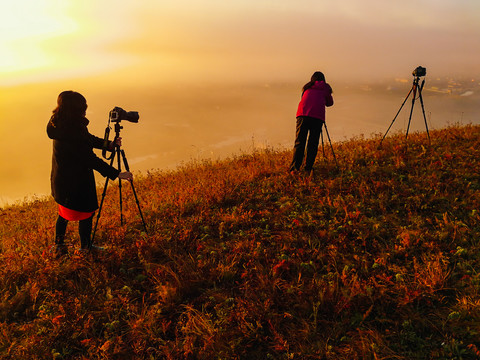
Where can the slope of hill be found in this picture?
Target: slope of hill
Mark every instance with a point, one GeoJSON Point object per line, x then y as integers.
{"type": "Point", "coordinates": [377, 259]}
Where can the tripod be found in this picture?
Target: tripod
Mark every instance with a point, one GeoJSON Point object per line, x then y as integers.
{"type": "Point", "coordinates": [330, 141]}
{"type": "Point", "coordinates": [414, 89]}
{"type": "Point", "coordinates": [118, 153]}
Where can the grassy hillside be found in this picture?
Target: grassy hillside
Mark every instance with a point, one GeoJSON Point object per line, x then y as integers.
{"type": "Point", "coordinates": [379, 259]}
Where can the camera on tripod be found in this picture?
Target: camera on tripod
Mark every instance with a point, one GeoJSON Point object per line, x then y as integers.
{"type": "Point", "coordinates": [419, 71]}
{"type": "Point", "coordinates": [416, 88]}
{"type": "Point", "coordinates": [118, 114]}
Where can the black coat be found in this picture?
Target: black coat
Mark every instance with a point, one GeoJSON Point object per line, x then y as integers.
{"type": "Point", "coordinates": [73, 162]}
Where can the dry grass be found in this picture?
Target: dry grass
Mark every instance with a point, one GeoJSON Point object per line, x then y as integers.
{"type": "Point", "coordinates": [376, 260]}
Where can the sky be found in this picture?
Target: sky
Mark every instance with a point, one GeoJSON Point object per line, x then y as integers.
{"type": "Point", "coordinates": [219, 40]}
{"type": "Point", "coordinates": [205, 74]}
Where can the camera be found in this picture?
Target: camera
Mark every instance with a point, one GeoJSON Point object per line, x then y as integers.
{"type": "Point", "coordinates": [118, 114]}
{"type": "Point", "coordinates": [419, 71]}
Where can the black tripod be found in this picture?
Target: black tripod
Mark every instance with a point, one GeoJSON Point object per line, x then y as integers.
{"type": "Point", "coordinates": [414, 89]}
{"type": "Point", "coordinates": [330, 141]}
{"type": "Point", "coordinates": [118, 153]}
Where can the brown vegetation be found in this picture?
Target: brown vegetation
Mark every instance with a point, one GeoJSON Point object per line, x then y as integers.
{"type": "Point", "coordinates": [377, 259]}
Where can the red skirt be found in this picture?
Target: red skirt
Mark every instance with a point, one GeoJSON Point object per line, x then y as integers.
{"type": "Point", "coordinates": [73, 215]}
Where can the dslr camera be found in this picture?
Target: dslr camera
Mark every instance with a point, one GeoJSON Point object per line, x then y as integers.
{"type": "Point", "coordinates": [419, 71]}
{"type": "Point", "coordinates": [118, 114]}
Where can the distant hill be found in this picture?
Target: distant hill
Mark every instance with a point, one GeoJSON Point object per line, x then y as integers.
{"type": "Point", "coordinates": [376, 259]}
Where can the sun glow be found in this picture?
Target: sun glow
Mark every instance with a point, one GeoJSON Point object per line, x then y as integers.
{"type": "Point", "coordinates": [25, 27]}
{"type": "Point", "coordinates": [45, 40]}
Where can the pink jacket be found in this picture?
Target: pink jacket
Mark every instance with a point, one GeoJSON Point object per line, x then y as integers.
{"type": "Point", "coordinates": [314, 101]}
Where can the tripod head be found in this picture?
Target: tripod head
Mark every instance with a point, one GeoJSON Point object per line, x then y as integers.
{"type": "Point", "coordinates": [415, 83]}
{"type": "Point", "coordinates": [117, 127]}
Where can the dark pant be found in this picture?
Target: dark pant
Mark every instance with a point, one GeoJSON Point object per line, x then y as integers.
{"type": "Point", "coordinates": [311, 127]}
{"type": "Point", "coordinates": [84, 229]}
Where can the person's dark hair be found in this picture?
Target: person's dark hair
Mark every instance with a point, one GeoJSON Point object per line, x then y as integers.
{"type": "Point", "coordinates": [70, 105]}
{"type": "Point", "coordinates": [317, 76]}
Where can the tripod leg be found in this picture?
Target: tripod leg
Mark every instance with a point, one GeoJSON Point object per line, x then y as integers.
{"type": "Point", "coordinates": [125, 162]}
{"type": "Point", "coordinates": [323, 146]}
{"type": "Point", "coordinates": [398, 112]}
{"type": "Point", "coordinates": [413, 104]}
{"type": "Point", "coordinates": [101, 204]}
{"type": "Point", "coordinates": [120, 184]}
{"type": "Point", "coordinates": [331, 146]}
{"type": "Point", "coordinates": [423, 111]}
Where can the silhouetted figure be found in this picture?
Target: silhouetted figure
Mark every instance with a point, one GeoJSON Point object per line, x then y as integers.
{"type": "Point", "coordinates": [316, 95]}
{"type": "Point", "coordinates": [73, 162]}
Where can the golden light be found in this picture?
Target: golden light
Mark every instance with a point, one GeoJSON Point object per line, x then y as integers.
{"type": "Point", "coordinates": [25, 25]}
{"type": "Point", "coordinates": [45, 40]}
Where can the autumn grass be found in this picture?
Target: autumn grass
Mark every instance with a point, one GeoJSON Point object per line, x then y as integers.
{"type": "Point", "coordinates": [377, 259]}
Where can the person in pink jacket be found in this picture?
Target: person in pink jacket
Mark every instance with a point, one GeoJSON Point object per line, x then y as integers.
{"type": "Point", "coordinates": [316, 95]}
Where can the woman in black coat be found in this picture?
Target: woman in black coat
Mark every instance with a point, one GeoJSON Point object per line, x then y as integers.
{"type": "Point", "coordinates": [73, 162]}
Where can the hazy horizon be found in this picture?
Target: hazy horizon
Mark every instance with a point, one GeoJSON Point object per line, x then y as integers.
{"type": "Point", "coordinates": [211, 122]}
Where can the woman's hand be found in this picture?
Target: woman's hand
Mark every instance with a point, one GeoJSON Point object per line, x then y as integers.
{"type": "Point", "coordinates": [115, 143]}
{"type": "Point", "coordinates": [126, 175]}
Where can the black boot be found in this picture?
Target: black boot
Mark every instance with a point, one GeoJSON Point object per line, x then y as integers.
{"type": "Point", "coordinates": [85, 230]}
{"type": "Point", "coordinates": [60, 229]}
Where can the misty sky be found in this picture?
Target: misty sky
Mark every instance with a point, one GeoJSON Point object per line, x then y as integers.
{"type": "Point", "coordinates": [218, 40]}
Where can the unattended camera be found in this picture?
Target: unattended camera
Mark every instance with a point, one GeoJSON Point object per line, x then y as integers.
{"type": "Point", "coordinates": [419, 71]}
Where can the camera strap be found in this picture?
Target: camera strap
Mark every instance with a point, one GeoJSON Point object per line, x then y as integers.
{"type": "Point", "coordinates": [106, 142]}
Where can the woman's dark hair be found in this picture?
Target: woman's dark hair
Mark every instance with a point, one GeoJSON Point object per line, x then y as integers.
{"type": "Point", "coordinates": [317, 76]}
{"type": "Point", "coordinates": [70, 105]}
